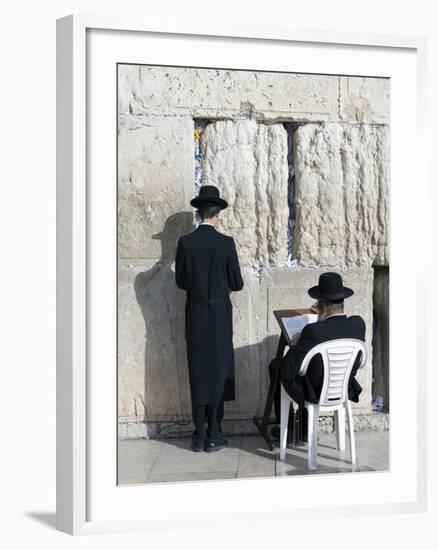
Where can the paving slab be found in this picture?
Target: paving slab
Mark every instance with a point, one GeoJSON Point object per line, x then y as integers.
{"type": "Point", "coordinates": [372, 450]}
{"type": "Point", "coordinates": [190, 476]}
{"type": "Point", "coordinates": [255, 460]}
{"type": "Point", "coordinates": [172, 460]}
{"type": "Point", "coordinates": [136, 458]}
{"type": "Point", "coordinates": [178, 458]}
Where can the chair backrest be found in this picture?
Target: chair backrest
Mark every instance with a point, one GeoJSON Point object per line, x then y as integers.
{"type": "Point", "coordinates": [338, 357]}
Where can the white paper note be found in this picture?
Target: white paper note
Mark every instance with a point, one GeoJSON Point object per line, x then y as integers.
{"type": "Point", "coordinates": [293, 325]}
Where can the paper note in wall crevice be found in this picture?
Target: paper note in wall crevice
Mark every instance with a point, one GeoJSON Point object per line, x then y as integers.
{"type": "Point", "coordinates": [294, 325]}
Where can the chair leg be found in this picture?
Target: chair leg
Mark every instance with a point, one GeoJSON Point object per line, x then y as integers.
{"type": "Point", "coordinates": [351, 431]}
{"type": "Point", "coordinates": [340, 429]}
{"type": "Point", "coordinates": [312, 435]}
{"type": "Point", "coordinates": [284, 419]}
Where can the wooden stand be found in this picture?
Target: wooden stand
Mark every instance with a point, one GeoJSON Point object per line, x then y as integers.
{"type": "Point", "coordinates": [263, 423]}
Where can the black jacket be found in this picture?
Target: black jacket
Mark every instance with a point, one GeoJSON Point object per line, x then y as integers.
{"type": "Point", "coordinates": [308, 387]}
{"type": "Point", "coordinates": [207, 267]}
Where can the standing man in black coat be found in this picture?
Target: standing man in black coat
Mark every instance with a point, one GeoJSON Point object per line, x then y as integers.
{"type": "Point", "coordinates": [207, 267]}
{"type": "Point", "coordinates": [332, 323]}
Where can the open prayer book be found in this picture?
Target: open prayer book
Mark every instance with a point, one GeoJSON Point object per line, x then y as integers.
{"type": "Point", "coordinates": [294, 325]}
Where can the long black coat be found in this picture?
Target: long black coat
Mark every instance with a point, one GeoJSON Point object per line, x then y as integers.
{"type": "Point", "coordinates": [308, 387]}
{"type": "Point", "coordinates": [207, 267]}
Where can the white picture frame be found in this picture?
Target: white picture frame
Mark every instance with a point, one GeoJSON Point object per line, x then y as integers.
{"type": "Point", "coordinates": [86, 501]}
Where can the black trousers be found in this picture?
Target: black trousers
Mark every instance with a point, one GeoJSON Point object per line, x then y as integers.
{"type": "Point", "coordinates": [297, 419]}
{"type": "Point", "coordinates": [207, 419]}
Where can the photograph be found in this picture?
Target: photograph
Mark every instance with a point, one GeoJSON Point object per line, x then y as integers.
{"type": "Point", "coordinates": [218, 275]}
{"type": "Point", "coordinates": [252, 273]}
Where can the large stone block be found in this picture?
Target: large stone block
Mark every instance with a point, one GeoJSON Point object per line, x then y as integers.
{"type": "Point", "coordinates": [286, 288]}
{"type": "Point", "coordinates": [247, 161]}
{"type": "Point", "coordinates": [155, 184]}
{"type": "Point", "coordinates": [152, 364]}
{"type": "Point", "coordinates": [214, 93]}
{"type": "Point", "coordinates": [341, 195]}
{"type": "Point", "coordinates": [364, 99]}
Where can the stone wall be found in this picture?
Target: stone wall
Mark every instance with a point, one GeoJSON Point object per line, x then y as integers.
{"type": "Point", "coordinates": [340, 188]}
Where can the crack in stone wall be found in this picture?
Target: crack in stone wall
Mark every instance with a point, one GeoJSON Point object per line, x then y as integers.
{"type": "Point", "coordinates": [291, 127]}
{"type": "Point", "coordinates": [381, 336]}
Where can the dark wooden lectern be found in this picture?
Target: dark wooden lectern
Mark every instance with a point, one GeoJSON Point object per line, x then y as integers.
{"type": "Point", "coordinates": [263, 423]}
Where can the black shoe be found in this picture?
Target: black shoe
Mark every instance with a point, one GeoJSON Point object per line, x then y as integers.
{"type": "Point", "coordinates": [222, 438]}
{"type": "Point", "coordinates": [213, 446]}
{"type": "Point", "coordinates": [197, 446]}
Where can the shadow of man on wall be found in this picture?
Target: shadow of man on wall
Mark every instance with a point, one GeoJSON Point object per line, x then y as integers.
{"type": "Point", "coordinates": [162, 305]}
{"type": "Point", "coordinates": [252, 383]}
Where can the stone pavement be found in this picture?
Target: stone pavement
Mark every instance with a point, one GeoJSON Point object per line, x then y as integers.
{"type": "Point", "coordinates": [152, 461]}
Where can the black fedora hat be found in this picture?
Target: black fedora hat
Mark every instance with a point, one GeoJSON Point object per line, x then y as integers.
{"type": "Point", "coordinates": [330, 287]}
{"type": "Point", "coordinates": [208, 196]}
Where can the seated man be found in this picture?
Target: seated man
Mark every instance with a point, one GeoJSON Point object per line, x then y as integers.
{"type": "Point", "coordinates": [332, 324]}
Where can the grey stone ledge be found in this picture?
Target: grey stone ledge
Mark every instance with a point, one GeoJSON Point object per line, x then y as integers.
{"type": "Point", "coordinates": [376, 422]}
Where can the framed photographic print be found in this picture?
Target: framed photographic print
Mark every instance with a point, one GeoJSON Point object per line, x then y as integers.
{"type": "Point", "coordinates": [227, 201]}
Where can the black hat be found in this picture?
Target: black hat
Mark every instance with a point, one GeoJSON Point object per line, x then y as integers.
{"type": "Point", "coordinates": [330, 287]}
{"type": "Point", "coordinates": [208, 196]}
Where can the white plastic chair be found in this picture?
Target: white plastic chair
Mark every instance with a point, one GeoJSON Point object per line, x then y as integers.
{"type": "Point", "coordinates": [338, 357]}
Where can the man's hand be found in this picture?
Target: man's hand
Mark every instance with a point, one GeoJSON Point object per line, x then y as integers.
{"type": "Point", "coordinates": [314, 307]}
{"type": "Point", "coordinates": [295, 338]}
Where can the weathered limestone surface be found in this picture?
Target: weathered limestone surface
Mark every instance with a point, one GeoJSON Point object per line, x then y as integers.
{"type": "Point", "coordinates": [156, 167]}
{"type": "Point", "coordinates": [365, 99]}
{"type": "Point", "coordinates": [341, 192]}
{"type": "Point", "coordinates": [220, 93]}
{"type": "Point", "coordinates": [287, 289]}
{"type": "Point", "coordinates": [381, 340]}
{"type": "Point", "coordinates": [153, 382]}
{"type": "Point", "coordinates": [247, 161]}
{"type": "Point", "coordinates": [153, 372]}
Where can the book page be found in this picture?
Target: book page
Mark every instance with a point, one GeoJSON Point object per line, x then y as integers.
{"type": "Point", "coordinates": [293, 325]}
